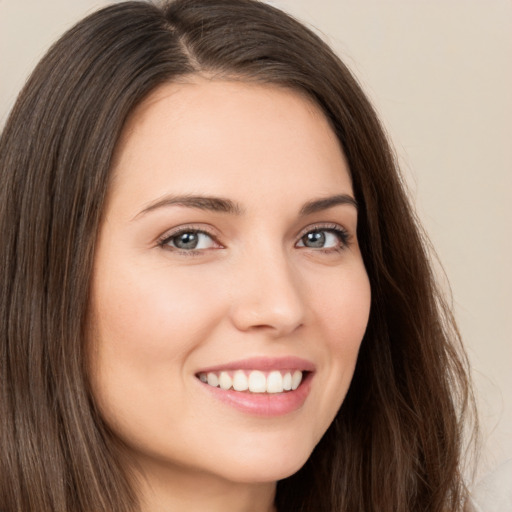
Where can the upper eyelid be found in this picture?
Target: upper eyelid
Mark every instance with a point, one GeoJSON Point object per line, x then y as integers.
{"type": "Point", "coordinates": [326, 226]}
{"type": "Point", "coordinates": [186, 228]}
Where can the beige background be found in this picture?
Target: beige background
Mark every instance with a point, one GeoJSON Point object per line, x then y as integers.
{"type": "Point", "coordinates": [440, 74]}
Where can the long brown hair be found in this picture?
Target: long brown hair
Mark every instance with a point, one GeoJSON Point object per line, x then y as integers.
{"type": "Point", "coordinates": [395, 444]}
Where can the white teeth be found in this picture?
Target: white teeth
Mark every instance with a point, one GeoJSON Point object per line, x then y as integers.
{"type": "Point", "coordinates": [255, 381]}
{"type": "Point", "coordinates": [275, 382]}
{"type": "Point", "coordinates": [225, 381]}
{"type": "Point", "coordinates": [213, 380]}
{"type": "Point", "coordinates": [240, 381]}
{"type": "Point", "coordinates": [287, 381]}
{"type": "Point", "coordinates": [296, 379]}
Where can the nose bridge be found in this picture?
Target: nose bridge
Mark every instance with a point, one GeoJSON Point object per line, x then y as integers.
{"type": "Point", "coordinates": [268, 291]}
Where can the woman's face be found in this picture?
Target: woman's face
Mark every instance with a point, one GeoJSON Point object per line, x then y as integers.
{"type": "Point", "coordinates": [227, 257]}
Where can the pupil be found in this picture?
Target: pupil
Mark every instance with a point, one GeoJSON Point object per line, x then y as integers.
{"type": "Point", "coordinates": [187, 241]}
{"type": "Point", "coordinates": [315, 239]}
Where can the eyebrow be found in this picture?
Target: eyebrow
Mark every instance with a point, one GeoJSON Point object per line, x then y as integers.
{"type": "Point", "coordinates": [213, 204]}
{"type": "Point", "coordinates": [325, 203]}
{"type": "Point", "coordinates": [221, 205]}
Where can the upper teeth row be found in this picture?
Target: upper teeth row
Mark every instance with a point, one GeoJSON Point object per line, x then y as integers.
{"type": "Point", "coordinates": [255, 381]}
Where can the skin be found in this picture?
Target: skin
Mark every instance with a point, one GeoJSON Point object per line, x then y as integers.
{"type": "Point", "coordinates": [253, 288]}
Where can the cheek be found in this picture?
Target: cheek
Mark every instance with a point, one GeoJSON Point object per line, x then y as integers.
{"type": "Point", "coordinates": [342, 307]}
{"type": "Point", "coordinates": [144, 325]}
{"type": "Point", "coordinates": [342, 312]}
{"type": "Point", "coordinates": [155, 313]}
{"type": "Point", "coordinates": [145, 322]}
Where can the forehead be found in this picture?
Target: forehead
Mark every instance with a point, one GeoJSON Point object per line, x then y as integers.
{"type": "Point", "coordinates": [200, 90]}
{"type": "Point", "coordinates": [203, 135]}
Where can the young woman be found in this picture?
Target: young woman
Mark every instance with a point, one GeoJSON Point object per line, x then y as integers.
{"type": "Point", "coordinates": [214, 292]}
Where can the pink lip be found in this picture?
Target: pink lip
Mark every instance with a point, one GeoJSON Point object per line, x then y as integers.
{"type": "Point", "coordinates": [264, 364]}
{"type": "Point", "coordinates": [264, 404]}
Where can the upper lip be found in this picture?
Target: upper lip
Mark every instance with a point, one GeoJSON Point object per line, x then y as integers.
{"type": "Point", "coordinates": [264, 364]}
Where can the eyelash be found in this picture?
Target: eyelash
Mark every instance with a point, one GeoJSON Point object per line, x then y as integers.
{"type": "Point", "coordinates": [164, 241]}
{"type": "Point", "coordinates": [342, 234]}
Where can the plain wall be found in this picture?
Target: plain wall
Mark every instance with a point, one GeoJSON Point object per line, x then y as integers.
{"type": "Point", "coordinates": [440, 74]}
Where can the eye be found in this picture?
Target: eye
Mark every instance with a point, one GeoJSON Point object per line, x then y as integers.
{"type": "Point", "coordinates": [324, 238]}
{"type": "Point", "coordinates": [189, 240]}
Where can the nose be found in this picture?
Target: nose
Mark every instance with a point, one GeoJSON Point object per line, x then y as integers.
{"type": "Point", "coordinates": [267, 295]}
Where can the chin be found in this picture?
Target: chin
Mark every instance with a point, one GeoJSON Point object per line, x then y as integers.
{"type": "Point", "coordinates": [266, 466]}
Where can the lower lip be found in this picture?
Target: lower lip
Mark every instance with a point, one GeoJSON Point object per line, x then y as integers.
{"type": "Point", "coordinates": [264, 404]}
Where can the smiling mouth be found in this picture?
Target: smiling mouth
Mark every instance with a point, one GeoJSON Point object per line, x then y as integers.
{"type": "Point", "coordinates": [254, 381]}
